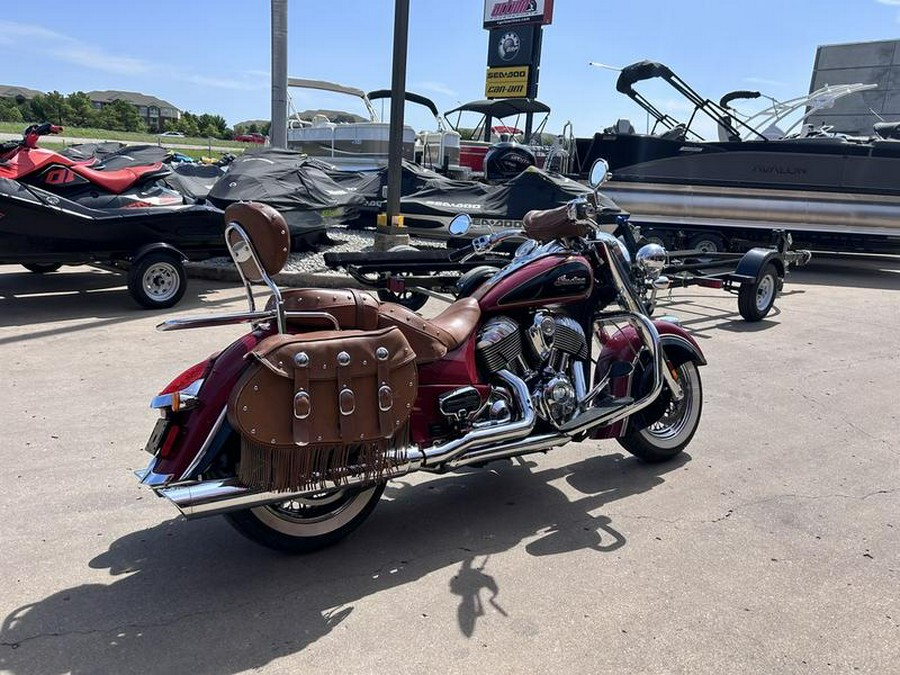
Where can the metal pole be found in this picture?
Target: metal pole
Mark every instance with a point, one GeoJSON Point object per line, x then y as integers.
{"type": "Point", "coordinates": [278, 127]}
{"type": "Point", "coordinates": [398, 88]}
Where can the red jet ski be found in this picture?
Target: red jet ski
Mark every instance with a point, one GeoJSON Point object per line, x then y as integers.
{"type": "Point", "coordinates": [87, 181]}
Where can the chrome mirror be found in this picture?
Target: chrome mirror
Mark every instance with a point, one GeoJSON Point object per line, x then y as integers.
{"type": "Point", "coordinates": [599, 173]}
{"type": "Point", "coordinates": [460, 224]}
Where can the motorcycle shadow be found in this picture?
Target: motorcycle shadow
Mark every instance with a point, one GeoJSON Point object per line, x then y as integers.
{"type": "Point", "coordinates": [197, 593]}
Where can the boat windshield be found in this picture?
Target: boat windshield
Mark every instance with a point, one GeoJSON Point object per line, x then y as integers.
{"type": "Point", "coordinates": [500, 119]}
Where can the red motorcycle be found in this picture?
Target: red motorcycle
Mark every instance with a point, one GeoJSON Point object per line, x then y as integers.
{"type": "Point", "coordinates": [84, 181]}
{"type": "Point", "coordinates": [293, 430]}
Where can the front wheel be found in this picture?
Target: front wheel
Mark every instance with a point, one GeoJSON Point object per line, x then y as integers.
{"type": "Point", "coordinates": [307, 524]}
{"type": "Point", "coordinates": [157, 280]}
{"type": "Point", "coordinates": [668, 435]}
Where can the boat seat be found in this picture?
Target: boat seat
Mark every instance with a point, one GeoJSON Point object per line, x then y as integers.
{"type": "Point", "coordinates": [321, 121]}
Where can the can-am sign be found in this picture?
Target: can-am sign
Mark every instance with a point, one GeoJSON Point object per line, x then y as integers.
{"type": "Point", "coordinates": [503, 12]}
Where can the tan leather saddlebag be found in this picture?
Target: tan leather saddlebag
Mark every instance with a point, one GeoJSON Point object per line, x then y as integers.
{"type": "Point", "coordinates": [318, 407]}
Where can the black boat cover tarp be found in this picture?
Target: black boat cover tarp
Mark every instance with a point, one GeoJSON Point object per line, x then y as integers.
{"type": "Point", "coordinates": [114, 155]}
{"type": "Point", "coordinates": [493, 206]}
{"type": "Point", "coordinates": [283, 179]}
{"type": "Point", "coordinates": [299, 188]}
{"type": "Point", "coordinates": [194, 180]}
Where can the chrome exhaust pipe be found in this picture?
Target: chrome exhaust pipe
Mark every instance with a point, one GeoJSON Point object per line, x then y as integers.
{"type": "Point", "coordinates": [436, 457]}
{"type": "Point", "coordinates": [214, 497]}
{"type": "Point", "coordinates": [218, 496]}
{"type": "Point", "coordinates": [522, 446]}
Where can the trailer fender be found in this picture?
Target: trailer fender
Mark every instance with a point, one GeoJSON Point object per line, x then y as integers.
{"type": "Point", "coordinates": [158, 246]}
{"type": "Point", "coordinates": [754, 261]}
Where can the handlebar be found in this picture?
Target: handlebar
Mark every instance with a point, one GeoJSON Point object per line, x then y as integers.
{"type": "Point", "coordinates": [35, 131]}
{"type": "Point", "coordinates": [483, 244]}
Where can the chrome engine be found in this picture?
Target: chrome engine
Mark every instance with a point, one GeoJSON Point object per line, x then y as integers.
{"type": "Point", "coordinates": [551, 360]}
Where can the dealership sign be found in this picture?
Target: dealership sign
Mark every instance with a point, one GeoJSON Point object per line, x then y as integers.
{"type": "Point", "coordinates": [506, 82]}
{"type": "Point", "coordinates": [502, 12]}
{"type": "Point", "coordinates": [513, 45]}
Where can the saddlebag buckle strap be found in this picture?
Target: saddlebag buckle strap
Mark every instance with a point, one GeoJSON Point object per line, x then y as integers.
{"type": "Point", "coordinates": [385, 393]}
{"type": "Point", "coordinates": [302, 398]}
{"type": "Point", "coordinates": [346, 396]}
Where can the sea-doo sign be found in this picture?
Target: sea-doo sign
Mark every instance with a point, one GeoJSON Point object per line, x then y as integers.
{"type": "Point", "coordinates": [506, 82]}
{"type": "Point", "coordinates": [504, 12]}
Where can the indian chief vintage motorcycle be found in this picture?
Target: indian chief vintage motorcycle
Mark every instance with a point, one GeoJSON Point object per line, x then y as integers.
{"type": "Point", "coordinates": [292, 431]}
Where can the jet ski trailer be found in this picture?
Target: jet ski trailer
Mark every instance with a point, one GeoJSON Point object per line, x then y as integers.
{"type": "Point", "coordinates": [43, 231]}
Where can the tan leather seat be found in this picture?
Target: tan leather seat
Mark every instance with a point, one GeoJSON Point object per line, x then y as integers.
{"type": "Point", "coordinates": [431, 339]}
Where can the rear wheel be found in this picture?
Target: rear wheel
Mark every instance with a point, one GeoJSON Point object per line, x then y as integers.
{"type": "Point", "coordinates": [157, 280]}
{"type": "Point", "coordinates": [39, 268]}
{"type": "Point", "coordinates": [671, 431]}
{"type": "Point", "coordinates": [755, 299]}
{"type": "Point", "coordinates": [307, 524]}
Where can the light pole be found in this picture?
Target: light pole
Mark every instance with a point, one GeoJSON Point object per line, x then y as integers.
{"type": "Point", "coordinates": [388, 236]}
{"type": "Point", "coordinates": [278, 126]}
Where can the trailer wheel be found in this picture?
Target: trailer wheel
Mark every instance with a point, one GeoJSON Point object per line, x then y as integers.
{"type": "Point", "coordinates": [708, 243]}
{"type": "Point", "coordinates": [157, 280]}
{"type": "Point", "coordinates": [755, 298]}
{"type": "Point", "coordinates": [410, 299]}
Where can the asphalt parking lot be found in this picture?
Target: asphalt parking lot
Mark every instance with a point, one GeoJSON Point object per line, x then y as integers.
{"type": "Point", "coordinates": [771, 546]}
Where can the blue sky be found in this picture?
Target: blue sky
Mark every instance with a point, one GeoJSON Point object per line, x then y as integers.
{"type": "Point", "coordinates": [213, 56]}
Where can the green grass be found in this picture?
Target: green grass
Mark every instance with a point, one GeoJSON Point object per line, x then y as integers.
{"type": "Point", "coordinates": [107, 135]}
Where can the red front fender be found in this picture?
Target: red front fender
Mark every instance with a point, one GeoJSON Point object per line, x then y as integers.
{"type": "Point", "coordinates": [625, 345]}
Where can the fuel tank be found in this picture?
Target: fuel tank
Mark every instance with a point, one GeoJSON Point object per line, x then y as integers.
{"type": "Point", "coordinates": [558, 278]}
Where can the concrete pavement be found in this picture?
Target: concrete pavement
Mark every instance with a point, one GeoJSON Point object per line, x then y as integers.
{"type": "Point", "coordinates": [771, 546]}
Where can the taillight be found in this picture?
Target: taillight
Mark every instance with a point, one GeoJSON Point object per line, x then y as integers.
{"type": "Point", "coordinates": [165, 448]}
{"type": "Point", "coordinates": [196, 372]}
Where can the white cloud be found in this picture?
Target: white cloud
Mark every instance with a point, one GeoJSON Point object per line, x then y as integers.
{"type": "Point", "coordinates": [437, 88]}
{"type": "Point", "coordinates": [894, 3]}
{"type": "Point", "coordinates": [68, 49]}
{"type": "Point", "coordinates": [32, 37]}
{"type": "Point", "coordinates": [767, 82]}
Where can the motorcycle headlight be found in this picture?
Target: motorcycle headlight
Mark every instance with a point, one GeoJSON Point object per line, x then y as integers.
{"type": "Point", "coordinates": [652, 258]}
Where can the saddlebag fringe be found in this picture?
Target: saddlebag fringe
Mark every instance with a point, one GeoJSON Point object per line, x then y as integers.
{"type": "Point", "coordinates": [315, 408]}
{"type": "Point", "coordinates": [274, 468]}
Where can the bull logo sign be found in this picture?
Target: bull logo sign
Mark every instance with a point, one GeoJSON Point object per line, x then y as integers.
{"type": "Point", "coordinates": [508, 12]}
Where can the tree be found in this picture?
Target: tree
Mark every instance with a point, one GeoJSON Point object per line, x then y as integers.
{"type": "Point", "coordinates": [10, 112]}
{"type": "Point", "coordinates": [51, 107]}
{"type": "Point", "coordinates": [120, 116]}
{"type": "Point", "coordinates": [82, 111]}
{"type": "Point", "coordinates": [188, 124]}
